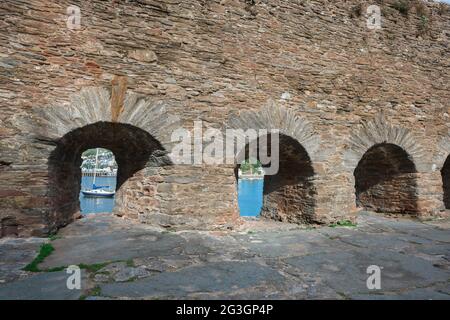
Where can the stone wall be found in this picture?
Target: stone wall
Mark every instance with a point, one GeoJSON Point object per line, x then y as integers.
{"type": "Point", "coordinates": [181, 197]}
{"type": "Point", "coordinates": [309, 68]}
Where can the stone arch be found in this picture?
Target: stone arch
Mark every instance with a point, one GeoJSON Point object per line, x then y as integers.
{"type": "Point", "coordinates": [385, 160]}
{"type": "Point", "coordinates": [290, 194]}
{"type": "Point", "coordinates": [92, 105]}
{"type": "Point", "coordinates": [385, 180]}
{"type": "Point", "coordinates": [273, 116]}
{"type": "Point", "coordinates": [442, 153]}
{"type": "Point", "coordinates": [134, 150]}
{"type": "Point", "coordinates": [378, 131]}
{"type": "Point", "coordinates": [441, 162]}
{"type": "Point", "coordinates": [138, 134]}
{"type": "Point", "coordinates": [445, 172]}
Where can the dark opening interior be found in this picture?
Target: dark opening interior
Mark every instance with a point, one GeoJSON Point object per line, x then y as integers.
{"type": "Point", "coordinates": [385, 180]}
{"type": "Point", "coordinates": [9, 228]}
{"type": "Point", "coordinates": [446, 182]}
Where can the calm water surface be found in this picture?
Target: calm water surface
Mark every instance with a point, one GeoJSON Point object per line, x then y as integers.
{"type": "Point", "coordinates": [91, 205]}
{"type": "Point", "coordinates": [250, 197]}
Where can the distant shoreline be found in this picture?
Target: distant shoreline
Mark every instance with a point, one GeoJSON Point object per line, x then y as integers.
{"type": "Point", "coordinates": [251, 177]}
{"type": "Point", "coordinates": [98, 174]}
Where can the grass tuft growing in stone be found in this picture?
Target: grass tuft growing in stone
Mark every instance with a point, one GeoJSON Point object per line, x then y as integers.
{"type": "Point", "coordinates": [94, 292]}
{"type": "Point", "coordinates": [130, 263]}
{"type": "Point", "coordinates": [402, 6]}
{"type": "Point", "coordinates": [53, 237]}
{"type": "Point", "coordinates": [93, 267]}
{"type": "Point", "coordinates": [45, 250]}
{"type": "Point", "coordinates": [423, 27]}
{"type": "Point", "coordinates": [343, 223]}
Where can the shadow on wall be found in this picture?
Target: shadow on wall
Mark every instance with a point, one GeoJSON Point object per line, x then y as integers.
{"type": "Point", "coordinates": [9, 228]}
{"type": "Point", "coordinates": [289, 195]}
{"type": "Point", "coordinates": [133, 148]}
{"type": "Point", "coordinates": [446, 182]}
{"type": "Point", "coordinates": [385, 180]}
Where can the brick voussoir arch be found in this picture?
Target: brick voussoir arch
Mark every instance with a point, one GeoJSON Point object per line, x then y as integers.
{"type": "Point", "coordinates": [442, 153]}
{"type": "Point", "coordinates": [92, 105]}
{"type": "Point", "coordinates": [377, 131]}
{"type": "Point", "coordinates": [273, 116]}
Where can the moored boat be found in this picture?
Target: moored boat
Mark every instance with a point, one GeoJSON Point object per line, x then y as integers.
{"type": "Point", "coordinates": [98, 191]}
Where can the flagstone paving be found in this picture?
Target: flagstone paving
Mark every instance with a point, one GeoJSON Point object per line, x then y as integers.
{"type": "Point", "coordinates": [261, 260]}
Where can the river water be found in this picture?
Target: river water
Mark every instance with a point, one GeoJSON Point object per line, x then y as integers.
{"type": "Point", "coordinates": [250, 196]}
{"type": "Point", "coordinates": [91, 205]}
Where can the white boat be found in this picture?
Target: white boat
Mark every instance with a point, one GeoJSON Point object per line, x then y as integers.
{"type": "Point", "coordinates": [98, 191]}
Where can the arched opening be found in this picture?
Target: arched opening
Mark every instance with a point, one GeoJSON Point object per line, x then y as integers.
{"type": "Point", "coordinates": [133, 148]}
{"type": "Point", "coordinates": [446, 182]}
{"type": "Point", "coordinates": [98, 181]}
{"type": "Point", "coordinates": [288, 195]}
{"type": "Point", "coordinates": [385, 180]}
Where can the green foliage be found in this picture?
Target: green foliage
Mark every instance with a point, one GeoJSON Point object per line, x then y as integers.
{"type": "Point", "coordinates": [130, 263]}
{"type": "Point", "coordinates": [402, 6]}
{"type": "Point", "coordinates": [423, 26]}
{"type": "Point", "coordinates": [94, 292]}
{"type": "Point", "coordinates": [251, 166]}
{"type": "Point", "coordinates": [93, 267]}
{"type": "Point", "coordinates": [53, 237]}
{"type": "Point", "coordinates": [45, 250]}
{"type": "Point", "coordinates": [93, 152]}
{"type": "Point", "coordinates": [89, 158]}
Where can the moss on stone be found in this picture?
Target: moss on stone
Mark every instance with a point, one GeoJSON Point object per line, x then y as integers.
{"type": "Point", "coordinates": [45, 250]}
{"type": "Point", "coordinates": [93, 267]}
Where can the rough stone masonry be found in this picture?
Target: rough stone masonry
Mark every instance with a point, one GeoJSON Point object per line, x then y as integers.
{"type": "Point", "coordinates": [363, 114]}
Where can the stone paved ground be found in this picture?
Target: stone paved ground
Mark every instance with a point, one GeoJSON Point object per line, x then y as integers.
{"type": "Point", "coordinates": [261, 260]}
